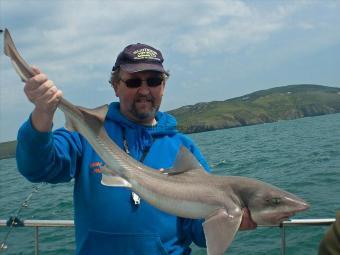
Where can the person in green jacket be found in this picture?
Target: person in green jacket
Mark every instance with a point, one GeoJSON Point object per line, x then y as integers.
{"type": "Point", "coordinates": [330, 244]}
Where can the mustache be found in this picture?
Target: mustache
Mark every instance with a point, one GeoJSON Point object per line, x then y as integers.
{"type": "Point", "coordinates": [149, 98]}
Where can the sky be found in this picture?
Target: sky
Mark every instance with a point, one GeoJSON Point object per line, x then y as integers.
{"type": "Point", "coordinates": [214, 50]}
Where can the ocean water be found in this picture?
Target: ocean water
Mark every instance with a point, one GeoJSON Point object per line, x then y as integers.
{"type": "Point", "coordinates": [301, 156]}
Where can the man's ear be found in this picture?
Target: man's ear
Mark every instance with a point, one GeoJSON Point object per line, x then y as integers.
{"type": "Point", "coordinates": [163, 88]}
{"type": "Point", "coordinates": [115, 87]}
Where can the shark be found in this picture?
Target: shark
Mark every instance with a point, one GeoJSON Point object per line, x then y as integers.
{"type": "Point", "coordinates": [185, 190]}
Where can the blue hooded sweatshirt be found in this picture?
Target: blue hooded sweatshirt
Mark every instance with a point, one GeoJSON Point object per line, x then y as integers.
{"type": "Point", "coordinates": [106, 218]}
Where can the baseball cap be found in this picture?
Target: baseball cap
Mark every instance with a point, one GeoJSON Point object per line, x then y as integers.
{"type": "Point", "coordinates": [139, 57]}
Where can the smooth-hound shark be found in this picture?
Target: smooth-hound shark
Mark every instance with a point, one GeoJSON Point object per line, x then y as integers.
{"type": "Point", "coordinates": [186, 190]}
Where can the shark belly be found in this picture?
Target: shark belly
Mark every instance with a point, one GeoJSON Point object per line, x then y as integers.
{"type": "Point", "coordinates": [173, 204]}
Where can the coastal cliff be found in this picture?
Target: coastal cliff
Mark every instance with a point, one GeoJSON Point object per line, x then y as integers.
{"type": "Point", "coordinates": [7, 149]}
{"type": "Point", "coordinates": [265, 106]}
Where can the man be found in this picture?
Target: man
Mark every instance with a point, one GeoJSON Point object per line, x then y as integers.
{"type": "Point", "coordinates": [113, 220]}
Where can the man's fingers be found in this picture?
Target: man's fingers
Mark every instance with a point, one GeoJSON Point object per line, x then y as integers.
{"type": "Point", "coordinates": [42, 92]}
{"type": "Point", "coordinates": [47, 95]}
{"type": "Point", "coordinates": [33, 93]}
{"type": "Point", "coordinates": [42, 89]}
{"type": "Point", "coordinates": [36, 70]}
{"type": "Point", "coordinates": [55, 99]}
{"type": "Point", "coordinates": [49, 101]}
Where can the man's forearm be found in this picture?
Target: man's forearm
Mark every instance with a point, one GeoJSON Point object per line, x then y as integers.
{"type": "Point", "coordinates": [41, 121]}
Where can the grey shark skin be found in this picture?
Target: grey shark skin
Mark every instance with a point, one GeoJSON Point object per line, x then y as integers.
{"type": "Point", "coordinates": [186, 190]}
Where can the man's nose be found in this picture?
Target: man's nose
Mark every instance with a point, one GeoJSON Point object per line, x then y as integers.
{"type": "Point", "coordinates": [144, 88]}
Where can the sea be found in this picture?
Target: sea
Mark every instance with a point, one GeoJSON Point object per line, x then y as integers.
{"type": "Point", "coordinates": [301, 156]}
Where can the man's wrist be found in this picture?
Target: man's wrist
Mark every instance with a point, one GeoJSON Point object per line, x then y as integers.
{"type": "Point", "coordinates": [42, 120]}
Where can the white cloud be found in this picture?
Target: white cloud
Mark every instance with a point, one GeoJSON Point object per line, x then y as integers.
{"type": "Point", "coordinates": [232, 26]}
{"type": "Point", "coordinates": [86, 34]}
{"type": "Point", "coordinates": [76, 44]}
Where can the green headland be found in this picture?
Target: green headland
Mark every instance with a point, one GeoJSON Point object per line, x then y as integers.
{"type": "Point", "coordinates": [265, 106]}
{"type": "Point", "coordinates": [7, 149]}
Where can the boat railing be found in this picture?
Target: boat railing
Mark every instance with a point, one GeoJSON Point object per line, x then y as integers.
{"type": "Point", "coordinates": [70, 223]}
{"type": "Point", "coordinates": [300, 223]}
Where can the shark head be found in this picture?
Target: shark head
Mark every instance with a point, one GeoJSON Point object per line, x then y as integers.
{"type": "Point", "coordinates": [270, 206]}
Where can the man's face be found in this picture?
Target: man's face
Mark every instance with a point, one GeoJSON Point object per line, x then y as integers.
{"type": "Point", "coordinates": [139, 104]}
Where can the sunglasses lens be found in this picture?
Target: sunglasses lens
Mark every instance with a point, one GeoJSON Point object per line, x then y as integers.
{"type": "Point", "coordinates": [154, 81]}
{"type": "Point", "coordinates": [136, 83]}
{"type": "Point", "coordinates": [133, 83]}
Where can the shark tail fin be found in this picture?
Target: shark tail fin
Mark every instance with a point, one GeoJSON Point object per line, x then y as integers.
{"type": "Point", "coordinates": [21, 67]}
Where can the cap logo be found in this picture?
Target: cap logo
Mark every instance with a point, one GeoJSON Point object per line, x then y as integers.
{"type": "Point", "coordinates": [145, 53]}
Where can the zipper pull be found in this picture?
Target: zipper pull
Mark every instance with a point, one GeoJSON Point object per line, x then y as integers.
{"type": "Point", "coordinates": [135, 198]}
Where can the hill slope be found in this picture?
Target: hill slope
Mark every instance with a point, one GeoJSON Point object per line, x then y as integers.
{"type": "Point", "coordinates": [7, 149]}
{"type": "Point", "coordinates": [281, 103]}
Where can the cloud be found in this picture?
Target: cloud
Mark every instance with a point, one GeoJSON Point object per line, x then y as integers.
{"type": "Point", "coordinates": [235, 26]}
{"type": "Point", "coordinates": [92, 34]}
{"type": "Point", "coordinates": [76, 44]}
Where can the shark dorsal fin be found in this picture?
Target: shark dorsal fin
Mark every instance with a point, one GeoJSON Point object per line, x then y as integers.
{"type": "Point", "coordinates": [99, 112]}
{"type": "Point", "coordinates": [185, 161]}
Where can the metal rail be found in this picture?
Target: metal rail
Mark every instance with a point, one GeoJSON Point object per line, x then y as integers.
{"type": "Point", "coordinates": [70, 223]}
{"type": "Point", "coordinates": [36, 224]}
{"type": "Point", "coordinates": [299, 223]}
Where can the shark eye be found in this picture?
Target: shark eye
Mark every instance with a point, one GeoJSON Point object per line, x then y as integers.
{"type": "Point", "coordinates": [276, 200]}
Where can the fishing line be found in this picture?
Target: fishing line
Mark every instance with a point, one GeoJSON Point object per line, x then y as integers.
{"type": "Point", "coordinates": [14, 221]}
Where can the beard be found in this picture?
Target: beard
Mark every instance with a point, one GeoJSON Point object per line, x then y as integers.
{"type": "Point", "coordinates": [147, 112]}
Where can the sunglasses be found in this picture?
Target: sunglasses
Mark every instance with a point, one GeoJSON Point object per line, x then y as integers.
{"type": "Point", "coordinates": [137, 82]}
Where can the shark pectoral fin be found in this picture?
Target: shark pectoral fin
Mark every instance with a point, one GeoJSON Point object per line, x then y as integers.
{"type": "Point", "coordinates": [114, 181]}
{"type": "Point", "coordinates": [108, 179]}
{"type": "Point", "coordinates": [220, 229]}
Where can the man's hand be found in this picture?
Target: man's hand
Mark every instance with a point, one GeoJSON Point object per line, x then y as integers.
{"type": "Point", "coordinates": [247, 223]}
{"type": "Point", "coordinates": [45, 96]}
